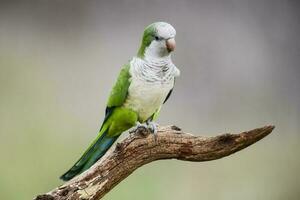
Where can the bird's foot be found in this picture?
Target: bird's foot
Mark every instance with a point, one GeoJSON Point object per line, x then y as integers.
{"type": "Point", "coordinates": [141, 129]}
{"type": "Point", "coordinates": [152, 126]}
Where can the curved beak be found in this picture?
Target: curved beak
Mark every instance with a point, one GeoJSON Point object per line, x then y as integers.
{"type": "Point", "coordinates": [170, 43]}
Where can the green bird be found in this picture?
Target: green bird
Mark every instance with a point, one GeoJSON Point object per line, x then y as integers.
{"type": "Point", "coordinates": [143, 86]}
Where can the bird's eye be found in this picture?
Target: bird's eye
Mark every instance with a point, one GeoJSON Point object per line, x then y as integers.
{"type": "Point", "coordinates": [156, 38]}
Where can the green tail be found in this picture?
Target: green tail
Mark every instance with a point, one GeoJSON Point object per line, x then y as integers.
{"type": "Point", "coordinates": [97, 149]}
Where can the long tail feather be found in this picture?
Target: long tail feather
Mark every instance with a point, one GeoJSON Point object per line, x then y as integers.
{"type": "Point", "coordinates": [97, 149]}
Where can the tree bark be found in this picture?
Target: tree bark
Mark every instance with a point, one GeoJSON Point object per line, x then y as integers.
{"type": "Point", "coordinates": [140, 148]}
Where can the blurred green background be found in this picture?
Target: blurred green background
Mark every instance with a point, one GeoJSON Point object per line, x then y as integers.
{"type": "Point", "coordinates": [239, 63]}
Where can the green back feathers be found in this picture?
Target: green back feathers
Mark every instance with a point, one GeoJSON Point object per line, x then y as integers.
{"type": "Point", "coordinates": [148, 36]}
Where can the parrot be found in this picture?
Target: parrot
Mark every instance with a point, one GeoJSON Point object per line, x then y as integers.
{"type": "Point", "coordinates": [144, 84]}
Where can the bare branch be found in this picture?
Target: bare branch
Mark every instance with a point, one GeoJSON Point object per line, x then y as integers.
{"type": "Point", "coordinates": [141, 148]}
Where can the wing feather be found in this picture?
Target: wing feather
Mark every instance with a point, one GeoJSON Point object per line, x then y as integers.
{"type": "Point", "coordinates": [119, 92]}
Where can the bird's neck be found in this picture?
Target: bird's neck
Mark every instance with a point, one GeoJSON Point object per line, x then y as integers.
{"type": "Point", "coordinates": [153, 70]}
{"type": "Point", "coordinates": [157, 62]}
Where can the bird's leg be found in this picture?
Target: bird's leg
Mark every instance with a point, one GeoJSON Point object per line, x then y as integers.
{"type": "Point", "coordinates": [141, 129]}
{"type": "Point", "coordinates": [145, 128]}
{"type": "Point", "coordinates": [152, 126]}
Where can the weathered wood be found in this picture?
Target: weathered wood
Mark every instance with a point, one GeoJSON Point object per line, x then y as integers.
{"type": "Point", "coordinates": [141, 148]}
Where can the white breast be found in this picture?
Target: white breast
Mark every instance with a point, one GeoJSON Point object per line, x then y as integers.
{"type": "Point", "coordinates": [146, 97]}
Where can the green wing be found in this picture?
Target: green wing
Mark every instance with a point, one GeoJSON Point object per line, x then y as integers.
{"type": "Point", "coordinates": [103, 142]}
{"type": "Point", "coordinates": [119, 92]}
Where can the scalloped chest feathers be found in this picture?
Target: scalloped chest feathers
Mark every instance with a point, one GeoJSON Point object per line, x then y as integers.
{"type": "Point", "coordinates": [148, 90]}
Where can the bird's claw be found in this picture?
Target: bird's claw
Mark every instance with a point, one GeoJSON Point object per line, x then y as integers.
{"type": "Point", "coordinates": [145, 128]}
{"type": "Point", "coordinates": [141, 129]}
{"type": "Point", "coordinates": [152, 126]}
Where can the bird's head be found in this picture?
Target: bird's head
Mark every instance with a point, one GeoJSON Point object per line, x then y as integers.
{"type": "Point", "coordinates": [158, 41]}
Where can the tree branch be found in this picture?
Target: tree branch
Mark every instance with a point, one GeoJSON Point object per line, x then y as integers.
{"type": "Point", "coordinates": [141, 148]}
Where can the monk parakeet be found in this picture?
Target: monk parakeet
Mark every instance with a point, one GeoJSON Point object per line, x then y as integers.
{"type": "Point", "coordinates": [143, 86]}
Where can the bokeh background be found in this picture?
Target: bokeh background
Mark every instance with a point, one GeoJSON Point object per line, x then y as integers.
{"type": "Point", "coordinates": [239, 63]}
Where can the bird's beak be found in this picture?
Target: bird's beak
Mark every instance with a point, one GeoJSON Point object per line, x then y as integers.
{"type": "Point", "coordinates": [170, 43]}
